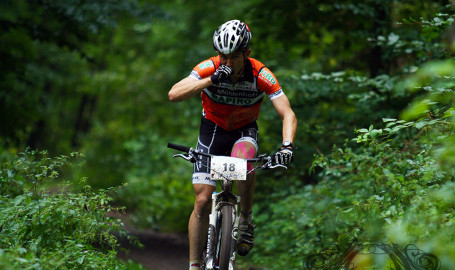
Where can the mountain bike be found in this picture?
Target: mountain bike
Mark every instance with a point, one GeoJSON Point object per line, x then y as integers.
{"type": "Point", "coordinates": [225, 212]}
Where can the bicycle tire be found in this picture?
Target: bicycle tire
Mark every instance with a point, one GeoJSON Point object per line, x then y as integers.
{"type": "Point", "coordinates": [210, 259]}
{"type": "Point", "coordinates": [204, 260]}
{"type": "Point", "coordinates": [226, 237]}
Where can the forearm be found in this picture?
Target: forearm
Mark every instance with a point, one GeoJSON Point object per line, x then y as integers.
{"type": "Point", "coordinates": [289, 126]}
{"type": "Point", "coordinates": [285, 155]}
{"type": "Point", "coordinates": [287, 115]}
{"type": "Point", "coordinates": [187, 88]}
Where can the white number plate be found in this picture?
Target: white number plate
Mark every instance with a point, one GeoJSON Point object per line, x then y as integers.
{"type": "Point", "coordinates": [227, 168]}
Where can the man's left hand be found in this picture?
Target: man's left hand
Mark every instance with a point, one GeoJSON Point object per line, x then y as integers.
{"type": "Point", "coordinates": [284, 156]}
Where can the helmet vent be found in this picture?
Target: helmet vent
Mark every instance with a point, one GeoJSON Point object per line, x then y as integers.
{"type": "Point", "coordinates": [231, 36]}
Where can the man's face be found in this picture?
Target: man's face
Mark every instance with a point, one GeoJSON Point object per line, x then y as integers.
{"type": "Point", "coordinates": [235, 60]}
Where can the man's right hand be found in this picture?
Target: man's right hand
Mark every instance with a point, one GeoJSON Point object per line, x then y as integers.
{"type": "Point", "coordinates": [221, 74]}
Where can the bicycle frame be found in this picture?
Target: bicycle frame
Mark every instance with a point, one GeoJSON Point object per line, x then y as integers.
{"type": "Point", "coordinates": [219, 200]}
{"type": "Point", "coordinates": [224, 216]}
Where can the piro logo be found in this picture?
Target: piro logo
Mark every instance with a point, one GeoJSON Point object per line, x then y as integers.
{"type": "Point", "coordinates": [232, 101]}
{"type": "Point", "coordinates": [239, 101]}
{"type": "Point", "coordinates": [205, 64]}
{"type": "Point", "coordinates": [268, 76]}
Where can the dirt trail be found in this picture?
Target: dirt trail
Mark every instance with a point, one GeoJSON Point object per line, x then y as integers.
{"type": "Point", "coordinates": [161, 251]}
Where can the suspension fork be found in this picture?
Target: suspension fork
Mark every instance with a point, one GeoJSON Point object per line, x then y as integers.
{"type": "Point", "coordinates": [213, 217]}
{"type": "Point", "coordinates": [235, 231]}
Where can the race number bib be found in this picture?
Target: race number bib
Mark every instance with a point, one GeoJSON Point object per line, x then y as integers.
{"type": "Point", "coordinates": [229, 168]}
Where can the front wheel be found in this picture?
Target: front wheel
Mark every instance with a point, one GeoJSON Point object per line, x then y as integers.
{"type": "Point", "coordinates": [226, 237]}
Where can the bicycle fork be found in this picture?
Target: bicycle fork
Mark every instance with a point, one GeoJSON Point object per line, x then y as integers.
{"type": "Point", "coordinates": [214, 228]}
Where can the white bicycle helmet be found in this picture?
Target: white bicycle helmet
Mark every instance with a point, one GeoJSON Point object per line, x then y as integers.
{"type": "Point", "coordinates": [231, 36]}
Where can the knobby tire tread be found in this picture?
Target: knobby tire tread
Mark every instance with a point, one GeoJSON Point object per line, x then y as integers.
{"type": "Point", "coordinates": [226, 236]}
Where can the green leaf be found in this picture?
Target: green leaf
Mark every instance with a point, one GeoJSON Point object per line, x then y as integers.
{"type": "Point", "coordinates": [376, 132]}
{"type": "Point", "coordinates": [388, 119]}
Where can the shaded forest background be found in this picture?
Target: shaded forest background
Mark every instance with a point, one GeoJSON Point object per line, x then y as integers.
{"type": "Point", "coordinates": [83, 86]}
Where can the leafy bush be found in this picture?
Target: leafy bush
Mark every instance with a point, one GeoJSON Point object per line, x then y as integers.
{"type": "Point", "coordinates": [366, 195]}
{"type": "Point", "coordinates": [52, 228]}
{"type": "Point", "coordinates": [389, 183]}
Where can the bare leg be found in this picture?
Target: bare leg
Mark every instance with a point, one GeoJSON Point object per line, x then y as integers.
{"type": "Point", "coordinates": [245, 188]}
{"type": "Point", "coordinates": [199, 220]}
{"type": "Point", "coordinates": [246, 193]}
{"type": "Point", "coordinates": [245, 243]}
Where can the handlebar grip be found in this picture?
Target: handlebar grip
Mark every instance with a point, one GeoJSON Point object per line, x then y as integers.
{"type": "Point", "coordinates": [178, 147]}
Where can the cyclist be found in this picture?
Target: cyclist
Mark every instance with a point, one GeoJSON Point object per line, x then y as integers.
{"type": "Point", "coordinates": [232, 86]}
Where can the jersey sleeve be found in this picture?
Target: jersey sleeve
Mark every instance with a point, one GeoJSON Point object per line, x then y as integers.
{"type": "Point", "coordinates": [204, 69]}
{"type": "Point", "coordinates": [268, 83]}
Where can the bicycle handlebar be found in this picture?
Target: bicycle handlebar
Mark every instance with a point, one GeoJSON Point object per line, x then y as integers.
{"type": "Point", "coordinates": [179, 147]}
{"type": "Point", "coordinates": [193, 153]}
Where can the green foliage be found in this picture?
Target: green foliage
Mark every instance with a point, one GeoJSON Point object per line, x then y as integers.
{"type": "Point", "coordinates": [431, 227]}
{"type": "Point", "coordinates": [159, 186]}
{"type": "Point", "coordinates": [93, 77]}
{"type": "Point", "coordinates": [46, 63]}
{"type": "Point", "coordinates": [31, 169]}
{"type": "Point", "coordinates": [367, 195]}
{"type": "Point", "coordinates": [390, 183]}
{"type": "Point", "coordinates": [52, 228]}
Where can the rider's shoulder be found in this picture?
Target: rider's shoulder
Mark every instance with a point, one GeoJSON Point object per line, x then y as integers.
{"type": "Point", "coordinates": [207, 63]}
{"type": "Point", "coordinates": [260, 69]}
{"type": "Point", "coordinates": [256, 64]}
{"type": "Point", "coordinates": [266, 79]}
{"type": "Point", "coordinates": [207, 67]}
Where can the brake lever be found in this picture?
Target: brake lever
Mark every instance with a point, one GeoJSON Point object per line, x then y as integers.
{"type": "Point", "coordinates": [188, 157]}
{"type": "Point", "coordinates": [277, 166]}
{"type": "Point", "coordinates": [269, 165]}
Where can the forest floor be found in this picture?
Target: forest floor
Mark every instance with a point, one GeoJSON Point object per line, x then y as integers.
{"type": "Point", "coordinates": [160, 251]}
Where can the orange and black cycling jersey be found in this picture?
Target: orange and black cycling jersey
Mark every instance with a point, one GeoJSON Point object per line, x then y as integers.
{"type": "Point", "coordinates": [234, 105]}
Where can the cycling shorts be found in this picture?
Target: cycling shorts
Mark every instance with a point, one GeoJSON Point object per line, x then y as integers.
{"type": "Point", "coordinates": [217, 141]}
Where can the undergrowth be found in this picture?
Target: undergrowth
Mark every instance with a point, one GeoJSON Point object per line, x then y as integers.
{"type": "Point", "coordinates": [43, 225]}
